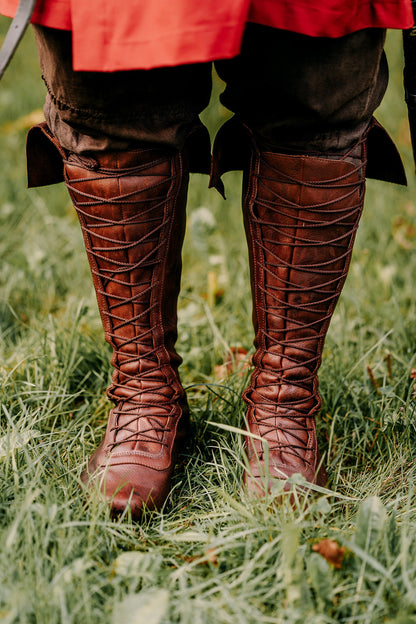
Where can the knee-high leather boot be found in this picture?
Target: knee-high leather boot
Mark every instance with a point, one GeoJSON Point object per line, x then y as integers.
{"type": "Point", "coordinates": [301, 215]}
{"type": "Point", "coordinates": [131, 207]}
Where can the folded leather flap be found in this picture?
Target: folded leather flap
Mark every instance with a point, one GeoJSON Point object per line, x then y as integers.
{"type": "Point", "coordinates": [44, 157]}
{"type": "Point", "coordinates": [232, 150]}
{"type": "Point", "coordinates": [383, 159]}
{"type": "Point", "coordinates": [198, 147]}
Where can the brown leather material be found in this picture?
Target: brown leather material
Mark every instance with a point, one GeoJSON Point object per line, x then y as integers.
{"type": "Point", "coordinates": [383, 159]}
{"type": "Point", "coordinates": [232, 149]}
{"type": "Point", "coordinates": [45, 156]}
{"type": "Point", "coordinates": [301, 215]}
{"type": "Point", "coordinates": [131, 207]}
{"type": "Point", "coordinates": [231, 152]}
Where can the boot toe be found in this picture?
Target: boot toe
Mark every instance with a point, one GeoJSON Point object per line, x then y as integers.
{"type": "Point", "coordinates": [133, 486]}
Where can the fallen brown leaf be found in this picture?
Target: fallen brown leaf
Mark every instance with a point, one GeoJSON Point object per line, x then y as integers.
{"type": "Point", "coordinates": [237, 360]}
{"type": "Point", "coordinates": [413, 376]}
{"type": "Point", "coordinates": [212, 556]}
{"type": "Point", "coordinates": [331, 551]}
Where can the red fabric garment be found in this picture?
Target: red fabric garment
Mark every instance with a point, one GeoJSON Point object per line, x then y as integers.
{"type": "Point", "coordinates": [159, 33]}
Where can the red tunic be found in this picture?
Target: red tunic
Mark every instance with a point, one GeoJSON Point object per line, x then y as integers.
{"type": "Point", "coordinates": [155, 33]}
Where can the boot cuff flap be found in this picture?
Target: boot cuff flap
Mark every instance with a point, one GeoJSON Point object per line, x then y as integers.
{"type": "Point", "coordinates": [383, 159]}
{"type": "Point", "coordinates": [44, 157]}
{"type": "Point", "coordinates": [231, 152]}
{"type": "Point", "coordinates": [198, 146]}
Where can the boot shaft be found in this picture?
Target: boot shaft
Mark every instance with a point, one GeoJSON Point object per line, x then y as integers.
{"type": "Point", "coordinates": [301, 215]}
{"type": "Point", "coordinates": [131, 207]}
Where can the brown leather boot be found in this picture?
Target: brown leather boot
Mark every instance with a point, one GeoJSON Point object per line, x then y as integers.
{"type": "Point", "coordinates": [301, 214]}
{"type": "Point", "coordinates": [131, 207]}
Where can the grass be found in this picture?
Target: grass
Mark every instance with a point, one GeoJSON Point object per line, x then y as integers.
{"type": "Point", "coordinates": [212, 555]}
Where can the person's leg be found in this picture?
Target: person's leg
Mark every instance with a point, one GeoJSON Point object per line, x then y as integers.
{"type": "Point", "coordinates": [98, 111]}
{"type": "Point", "coordinates": [308, 105]}
{"type": "Point", "coordinates": [305, 93]}
{"type": "Point", "coordinates": [121, 142]}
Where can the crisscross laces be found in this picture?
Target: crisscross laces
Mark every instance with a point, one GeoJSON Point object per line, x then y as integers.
{"type": "Point", "coordinates": [127, 218]}
{"type": "Point", "coordinates": [303, 214]}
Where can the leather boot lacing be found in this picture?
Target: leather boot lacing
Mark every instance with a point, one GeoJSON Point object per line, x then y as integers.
{"type": "Point", "coordinates": [131, 207]}
{"type": "Point", "coordinates": [301, 217]}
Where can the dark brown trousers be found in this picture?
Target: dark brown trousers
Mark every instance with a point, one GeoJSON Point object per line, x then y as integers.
{"type": "Point", "coordinates": [293, 91]}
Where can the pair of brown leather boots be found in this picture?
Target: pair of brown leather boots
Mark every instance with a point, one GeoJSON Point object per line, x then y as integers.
{"type": "Point", "coordinates": [301, 214]}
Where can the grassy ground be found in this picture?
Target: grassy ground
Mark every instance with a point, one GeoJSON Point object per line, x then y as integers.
{"type": "Point", "coordinates": [212, 555]}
